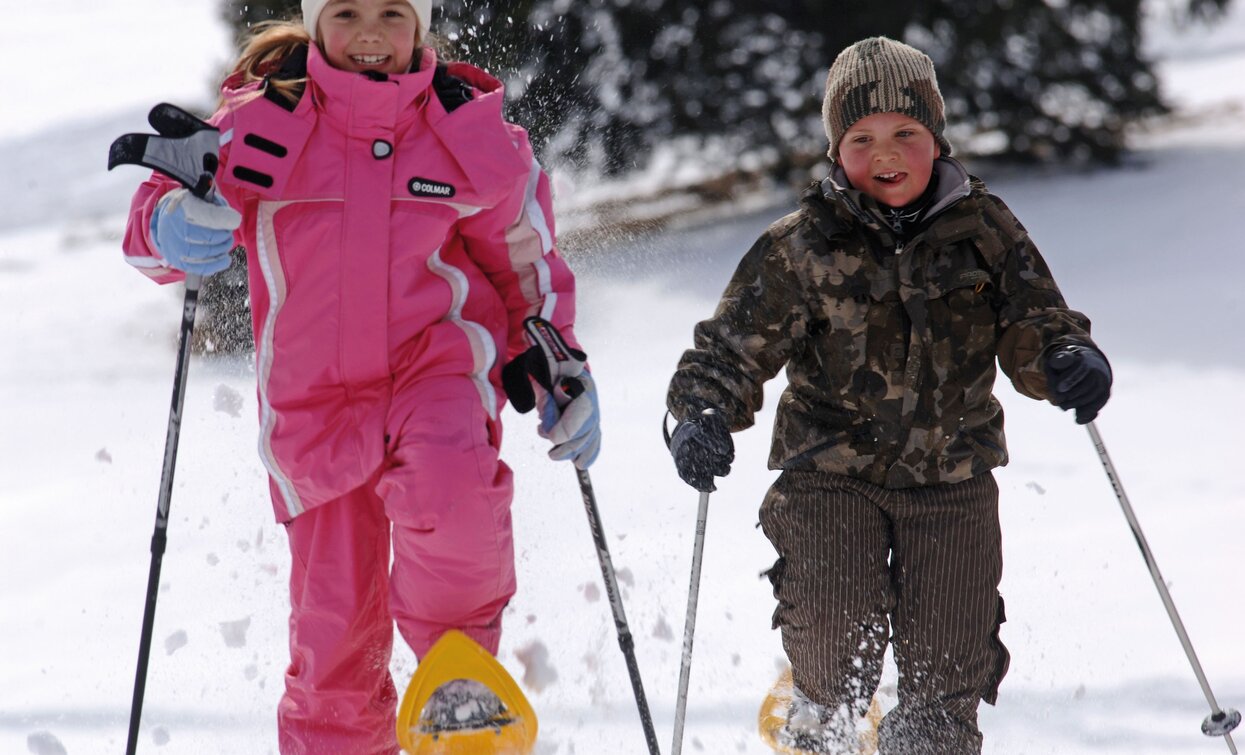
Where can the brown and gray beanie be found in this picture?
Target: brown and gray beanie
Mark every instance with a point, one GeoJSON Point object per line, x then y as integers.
{"type": "Point", "coordinates": [880, 75]}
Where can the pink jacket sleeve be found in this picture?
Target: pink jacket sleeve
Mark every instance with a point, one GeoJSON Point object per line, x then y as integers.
{"type": "Point", "coordinates": [138, 246]}
{"type": "Point", "coordinates": [514, 243]}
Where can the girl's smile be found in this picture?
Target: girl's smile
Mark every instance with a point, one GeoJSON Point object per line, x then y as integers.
{"type": "Point", "coordinates": [369, 60]}
{"type": "Point", "coordinates": [369, 35]}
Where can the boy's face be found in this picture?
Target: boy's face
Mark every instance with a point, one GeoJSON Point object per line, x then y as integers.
{"type": "Point", "coordinates": [369, 35]}
{"type": "Point", "coordinates": [889, 156]}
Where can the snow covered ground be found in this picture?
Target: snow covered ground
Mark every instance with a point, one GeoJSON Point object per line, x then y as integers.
{"type": "Point", "coordinates": [1151, 252]}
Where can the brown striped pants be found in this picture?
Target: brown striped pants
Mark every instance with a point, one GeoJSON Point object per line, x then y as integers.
{"type": "Point", "coordinates": [860, 565]}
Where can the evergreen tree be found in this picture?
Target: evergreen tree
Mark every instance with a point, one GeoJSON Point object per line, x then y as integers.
{"type": "Point", "coordinates": [242, 15]}
{"type": "Point", "coordinates": [1049, 81]}
{"type": "Point", "coordinates": [1057, 81]}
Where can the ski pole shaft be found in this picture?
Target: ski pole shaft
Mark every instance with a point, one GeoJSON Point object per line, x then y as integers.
{"type": "Point", "coordinates": [1218, 715]}
{"type": "Point", "coordinates": [689, 628]}
{"type": "Point", "coordinates": [620, 618]}
{"type": "Point", "coordinates": [159, 537]}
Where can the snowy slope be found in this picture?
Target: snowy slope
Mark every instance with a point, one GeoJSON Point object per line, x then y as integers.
{"type": "Point", "coordinates": [1148, 252]}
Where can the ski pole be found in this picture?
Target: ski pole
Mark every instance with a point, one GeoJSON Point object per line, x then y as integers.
{"type": "Point", "coordinates": [159, 538]}
{"type": "Point", "coordinates": [187, 149]}
{"type": "Point", "coordinates": [551, 359]}
{"type": "Point", "coordinates": [620, 619]}
{"type": "Point", "coordinates": [1220, 722]}
{"type": "Point", "coordinates": [689, 629]}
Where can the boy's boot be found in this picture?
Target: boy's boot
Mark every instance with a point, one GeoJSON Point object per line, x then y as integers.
{"type": "Point", "coordinates": [814, 728]}
{"type": "Point", "coordinates": [927, 731]}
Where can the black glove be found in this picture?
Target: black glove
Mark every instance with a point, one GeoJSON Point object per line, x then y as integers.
{"type": "Point", "coordinates": [1079, 378]}
{"type": "Point", "coordinates": [702, 449]}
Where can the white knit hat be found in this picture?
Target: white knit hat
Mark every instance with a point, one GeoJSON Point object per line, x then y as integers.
{"type": "Point", "coordinates": [312, 8]}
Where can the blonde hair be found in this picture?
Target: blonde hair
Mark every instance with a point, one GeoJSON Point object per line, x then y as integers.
{"type": "Point", "coordinates": [271, 42]}
{"type": "Point", "coordinates": [266, 48]}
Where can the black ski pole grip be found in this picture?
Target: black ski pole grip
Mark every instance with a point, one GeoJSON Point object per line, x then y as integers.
{"type": "Point", "coordinates": [573, 387]}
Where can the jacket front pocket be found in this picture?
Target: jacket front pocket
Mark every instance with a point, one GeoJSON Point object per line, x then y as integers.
{"type": "Point", "coordinates": [962, 322]}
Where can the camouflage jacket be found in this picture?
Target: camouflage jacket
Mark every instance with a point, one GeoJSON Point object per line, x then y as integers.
{"type": "Point", "coordinates": [890, 346]}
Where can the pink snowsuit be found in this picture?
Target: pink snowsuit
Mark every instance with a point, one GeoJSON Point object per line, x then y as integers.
{"type": "Point", "coordinates": [394, 250]}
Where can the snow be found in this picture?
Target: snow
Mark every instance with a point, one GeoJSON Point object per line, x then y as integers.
{"type": "Point", "coordinates": [1151, 252]}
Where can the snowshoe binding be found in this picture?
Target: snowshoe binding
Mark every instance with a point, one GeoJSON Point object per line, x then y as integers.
{"type": "Point", "coordinates": [462, 702]}
{"type": "Point", "coordinates": [792, 724]}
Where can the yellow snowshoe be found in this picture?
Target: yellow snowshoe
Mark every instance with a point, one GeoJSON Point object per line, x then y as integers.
{"type": "Point", "coordinates": [772, 722]}
{"type": "Point", "coordinates": [461, 701]}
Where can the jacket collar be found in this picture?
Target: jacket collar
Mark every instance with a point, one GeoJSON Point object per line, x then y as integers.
{"type": "Point", "coordinates": [359, 99]}
{"type": "Point", "coordinates": [954, 184]}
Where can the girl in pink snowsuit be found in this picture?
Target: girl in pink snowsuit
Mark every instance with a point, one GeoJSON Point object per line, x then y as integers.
{"type": "Point", "coordinates": [398, 232]}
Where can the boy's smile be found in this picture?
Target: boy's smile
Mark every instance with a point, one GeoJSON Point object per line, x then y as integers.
{"type": "Point", "coordinates": [889, 156]}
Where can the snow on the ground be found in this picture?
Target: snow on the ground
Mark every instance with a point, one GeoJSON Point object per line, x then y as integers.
{"type": "Point", "coordinates": [1149, 252]}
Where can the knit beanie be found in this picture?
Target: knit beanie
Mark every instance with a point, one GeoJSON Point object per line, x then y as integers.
{"type": "Point", "coordinates": [880, 75]}
{"type": "Point", "coordinates": [312, 8]}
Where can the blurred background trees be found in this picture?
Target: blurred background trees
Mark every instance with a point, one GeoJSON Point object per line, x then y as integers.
{"type": "Point", "coordinates": [600, 83]}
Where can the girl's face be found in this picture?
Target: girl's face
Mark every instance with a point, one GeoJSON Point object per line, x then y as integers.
{"type": "Point", "coordinates": [369, 35]}
{"type": "Point", "coordinates": [889, 156]}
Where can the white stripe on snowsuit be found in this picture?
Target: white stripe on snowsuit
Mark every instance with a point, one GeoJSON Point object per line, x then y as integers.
{"type": "Point", "coordinates": [484, 350]}
{"type": "Point", "coordinates": [274, 276]}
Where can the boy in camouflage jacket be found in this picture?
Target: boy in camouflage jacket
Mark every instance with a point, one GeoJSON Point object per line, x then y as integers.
{"type": "Point", "coordinates": [888, 296]}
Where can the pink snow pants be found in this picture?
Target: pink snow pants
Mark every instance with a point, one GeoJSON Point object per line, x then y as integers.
{"type": "Point", "coordinates": [442, 502]}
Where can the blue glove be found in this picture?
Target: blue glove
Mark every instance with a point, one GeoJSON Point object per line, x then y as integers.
{"type": "Point", "coordinates": [1079, 378]}
{"type": "Point", "coordinates": [194, 235]}
{"type": "Point", "coordinates": [575, 427]}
